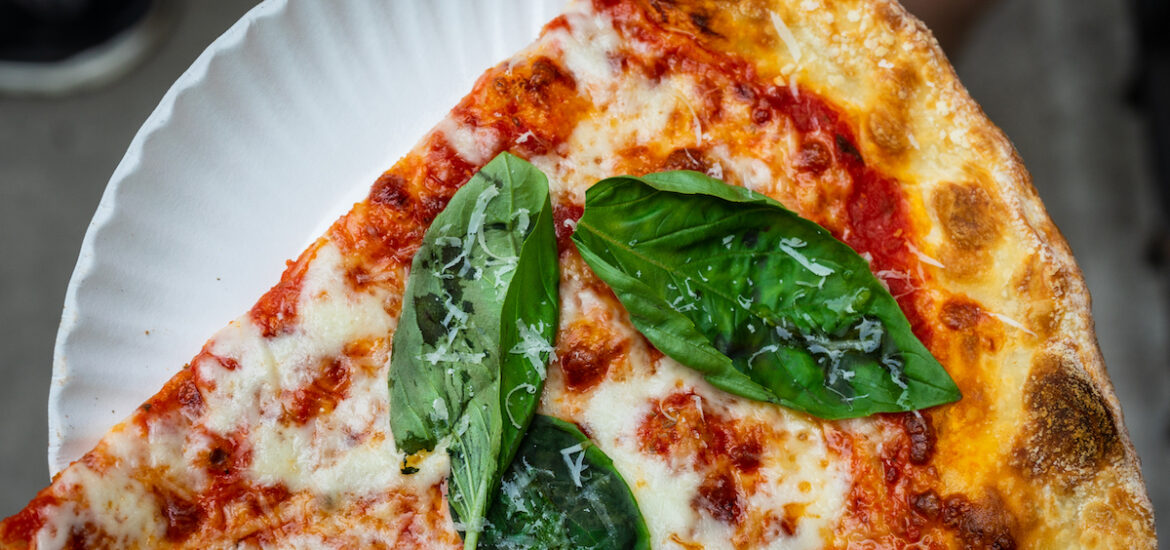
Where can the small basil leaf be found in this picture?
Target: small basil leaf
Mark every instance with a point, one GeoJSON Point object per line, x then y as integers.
{"type": "Point", "coordinates": [767, 305]}
{"type": "Point", "coordinates": [562, 492]}
{"type": "Point", "coordinates": [478, 317]}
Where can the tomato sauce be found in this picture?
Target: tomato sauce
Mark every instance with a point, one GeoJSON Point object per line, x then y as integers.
{"type": "Point", "coordinates": [276, 312]}
{"type": "Point", "coordinates": [875, 221]}
{"type": "Point", "coordinates": [24, 525]}
{"type": "Point", "coordinates": [321, 396]}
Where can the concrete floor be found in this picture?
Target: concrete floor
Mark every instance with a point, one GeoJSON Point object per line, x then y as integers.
{"type": "Point", "coordinates": [1051, 73]}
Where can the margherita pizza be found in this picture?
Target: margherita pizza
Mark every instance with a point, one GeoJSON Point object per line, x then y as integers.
{"type": "Point", "coordinates": [694, 274]}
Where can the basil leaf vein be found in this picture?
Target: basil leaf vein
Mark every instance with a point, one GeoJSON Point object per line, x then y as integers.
{"type": "Point", "coordinates": [478, 320]}
{"type": "Point", "coordinates": [766, 304]}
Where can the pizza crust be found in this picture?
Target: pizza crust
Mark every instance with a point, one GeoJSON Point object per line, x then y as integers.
{"type": "Point", "coordinates": [985, 224]}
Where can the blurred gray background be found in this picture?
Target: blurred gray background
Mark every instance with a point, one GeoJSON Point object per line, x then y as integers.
{"type": "Point", "coordinates": [1053, 74]}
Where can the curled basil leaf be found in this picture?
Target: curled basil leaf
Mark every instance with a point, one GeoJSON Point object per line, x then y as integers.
{"type": "Point", "coordinates": [479, 316]}
{"type": "Point", "coordinates": [766, 304]}
{"type": "Point", "coordinates": [562, 492]}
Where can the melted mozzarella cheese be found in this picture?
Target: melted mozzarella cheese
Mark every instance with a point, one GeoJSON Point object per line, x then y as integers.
{"type": "Point", "coordinates": [797, 470]}
{"type": "Point", "coordinates": [338, 458]}
{"type": "Point", "coordinates": [587, 44]}
{"type": "Point", "coordinates": [346, 452]}
{"type": "Point", "coordinates": [632, 110]}
{"type": "Point", "coordinates": [475, 144]}
{"type": "Point", "coordinates": [121, 507]}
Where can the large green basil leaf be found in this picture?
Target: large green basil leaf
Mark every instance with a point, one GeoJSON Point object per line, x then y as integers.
{"type": "Point", "coordinates": [562, 492]}
{"type": "Point", "coordinates": [766, 304]}
{"type": "Point", "coordinates": [479, 316]}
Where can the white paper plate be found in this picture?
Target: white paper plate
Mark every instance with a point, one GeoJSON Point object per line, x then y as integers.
{"type": "Point", "coordinates": [274, 131]}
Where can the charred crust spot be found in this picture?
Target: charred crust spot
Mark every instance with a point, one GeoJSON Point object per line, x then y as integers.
{"type": "Point", "coordinates": [848, 149]}
{"type": "Point", "coordinates": [926, 504]}
{"type": "Point", "coordinates": [743, 92]}
{"type": "Point", "coordinates": [686, 159]}
{"type": "Point", "coordinates": [545, 72]}
{"type": "Point", "coordinates": [813, 157]}
{"type": "Point", "coordinates": [969, 215]}
{"type": "Point", "coordinates": [1070, 429]}
{"type": "Point", "coordinates": [702, 22]}
{"type": "Point", "coordinates": [986, 525]}
{"type": "Point", "coordinates": [390, 190]}
{"type": "Point", "coordinates": [218, 458]}
{"type": "Point", "coordinates": [685, 17]}
{"type": "Point", "coordinates": [959, 314]}
{"type": "Point", "coordinates": [530, 108]}
{"type": "Point", "coordinates": [922, 438]}
{"type": "Point", "coordinates": [532, 83]}
{"type": "Point", "coordinates": [887, 131]}
{"type": "Point", "coordinates": [720, 498]}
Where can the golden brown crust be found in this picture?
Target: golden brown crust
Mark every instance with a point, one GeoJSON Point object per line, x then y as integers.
{"type": "Point", "coordinates": [1039, 407]}
{"type": "Point", "coordinates": [1042, 373]}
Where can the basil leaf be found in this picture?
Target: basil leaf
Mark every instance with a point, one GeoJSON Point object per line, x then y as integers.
{"type": "Point", "coordinates": [562, 492]}
{"type": "Point", "coordinates": [766, 304]}
{"type": "Point", "coordinates": [478, 318]}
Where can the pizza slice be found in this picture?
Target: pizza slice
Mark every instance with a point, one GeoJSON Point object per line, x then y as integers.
{"type": "Point", "coordinates": [278, 433]}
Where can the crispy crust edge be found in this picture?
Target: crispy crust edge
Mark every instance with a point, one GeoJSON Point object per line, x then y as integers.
{"type": "Point", "coordinates": [1019, 191]}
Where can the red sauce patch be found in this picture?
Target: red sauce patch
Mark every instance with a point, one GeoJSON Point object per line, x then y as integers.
{"type": "Point", "coordinates": [565, 216]}
{"type": "Point", "coordinates": [442, 171]}
{"type": "Point", "coordinates": [879, 223]}
{"type": "Point", "coordinates": [876, 213]}
{"type": "Point", "coordinates": [530, 108]}
{"type": "Point", "coordinates": [681, 426]}
{"type": "Point", "coordinates": [227, 459]}
{"type": "Point", "coordinates": [232, 494]}
{"type": "Point", "coordinates": [878, 218]}
{"type": "Point", "coordinates": [887, 486]}
{"type": "Point", "coordinates": [585, 353]}
{"type": "Point", "coordinates": [320, 396]}
{"type": "Point", "coordinates": [276, 312]}
{"type": "Point", "coordinates": [176, 403]}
